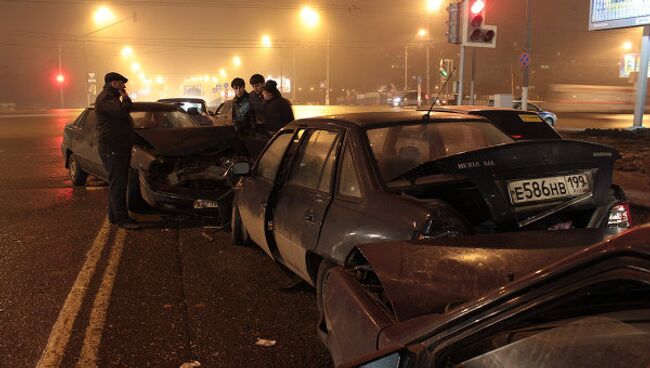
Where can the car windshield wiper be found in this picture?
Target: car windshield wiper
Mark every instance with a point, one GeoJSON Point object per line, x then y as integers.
{"type": "Point", "coordinates": [423, 169]}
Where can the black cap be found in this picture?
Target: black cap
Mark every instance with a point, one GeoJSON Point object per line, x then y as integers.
{"type": "Point", "coordinates": [257, 79]}
{"type": "Point", "coordinates": [112, 76]}
{"type": "Point", "coordinates": [271, 86]}
{"type": "Point", "coordinates": [237, 82]}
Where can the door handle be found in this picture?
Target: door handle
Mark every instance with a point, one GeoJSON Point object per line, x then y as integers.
{"type": "Point", "coordinates": [310, 217]}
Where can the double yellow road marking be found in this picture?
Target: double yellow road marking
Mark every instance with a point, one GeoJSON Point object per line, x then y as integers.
{"type": "Point", "coordinates": [62, 329]}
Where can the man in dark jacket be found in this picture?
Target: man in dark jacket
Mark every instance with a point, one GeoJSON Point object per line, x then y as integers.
{"type": "Point", "coordinates": [277, 109]}
{"type": "Point", "coordinates": [257, 101]}
{"type": "Point", "coordinates": [243, 115]}
{"type": "Point", "coordinates": [115, 137]}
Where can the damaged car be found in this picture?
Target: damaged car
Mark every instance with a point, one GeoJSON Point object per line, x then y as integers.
{"type": "Point", "coordinates": [324, 185]}
{"type": "Point", "coordinates": [501, 300]}
{"type": "Point", "coordinates": [176, 165]}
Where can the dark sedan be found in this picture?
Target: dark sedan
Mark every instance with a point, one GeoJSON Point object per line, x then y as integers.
{"type": "Point", "coordinates": [324, 185]}
{"type": "Point", "coordinates": [176, 165]}
{"type": "Point", "coordinates": [524, 300]}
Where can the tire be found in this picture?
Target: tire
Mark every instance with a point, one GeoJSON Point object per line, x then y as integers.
{"type": "Point", "coordinates": [323, 268]}
{"type": "Point", "coordinates": [78, 177]}
{"type": "Point", "coordinates": [238, 232]}
{"type": "Point", "coordinates": [134, 200]}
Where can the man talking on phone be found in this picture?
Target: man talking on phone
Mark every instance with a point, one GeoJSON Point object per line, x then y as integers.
{"type": "Point", "coordinates": [115, 137]}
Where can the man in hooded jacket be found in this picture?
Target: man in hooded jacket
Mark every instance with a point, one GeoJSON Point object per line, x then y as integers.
{"type": "Point", "coordinates": [115, 137]}
{"type": "Point", "coordinates": [277, 109]}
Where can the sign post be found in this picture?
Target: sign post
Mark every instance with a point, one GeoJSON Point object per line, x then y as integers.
{"type": "Point", "coordinates": [642, 81]}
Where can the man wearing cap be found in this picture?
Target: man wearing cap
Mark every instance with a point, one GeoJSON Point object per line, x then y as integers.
{"type": "Point", "coordinates": [257, 101]}
{"type": "Point", "coordinates": [277, 109]}
{"type": "Point", "coordinates": [115, 137]}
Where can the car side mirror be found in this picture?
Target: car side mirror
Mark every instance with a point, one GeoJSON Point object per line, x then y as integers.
{"type": "Point", "coordinates": [193, 111]}
{"type": "Point", "coordinates": [241, 169]}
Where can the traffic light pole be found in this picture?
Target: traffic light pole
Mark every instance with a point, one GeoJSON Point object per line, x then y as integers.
{"type": "Point", "coordinates": [60, 82]}
{"type": "Point", "coordinates": [471, 83]}
{"type": "Point", "coordinates": [461, 75]}
{"type": "Point", "coordinates": [524, 88]}
{"type": "Point", "coordinates": [642, 82]}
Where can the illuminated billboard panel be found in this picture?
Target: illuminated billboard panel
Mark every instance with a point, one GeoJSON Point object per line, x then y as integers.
{"type": "Point", "coordinates": [608, 14]}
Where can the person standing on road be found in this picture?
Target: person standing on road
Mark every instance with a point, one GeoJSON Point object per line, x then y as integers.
{"type": "Point", "coordinates": [115, 137]}
{"type": "Point", "coordinates": [243, 115]}
{"type": "Point", "coordinates": [257, 82]}
{"type": "Point", "coordinates": [277, 109]}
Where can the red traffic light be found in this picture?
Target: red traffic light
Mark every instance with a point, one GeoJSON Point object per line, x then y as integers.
{"type": "Point", "coordinates": [60, 78]}
{"type": "Point", "coordinates": [477, 6]}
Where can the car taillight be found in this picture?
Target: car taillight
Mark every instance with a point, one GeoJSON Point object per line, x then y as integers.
{"type": "Point", "coordinates": [620, 216]}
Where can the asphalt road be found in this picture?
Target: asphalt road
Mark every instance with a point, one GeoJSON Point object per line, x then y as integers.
{"type": "Point", "coordinates": [76, 292]}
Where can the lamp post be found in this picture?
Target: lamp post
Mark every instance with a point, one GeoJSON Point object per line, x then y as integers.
{"type": "Point", "coordinates": [310, 18]}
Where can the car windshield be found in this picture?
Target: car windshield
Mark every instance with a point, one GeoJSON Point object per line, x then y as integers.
{"type": "Point", "coordinates": [399, 148]}
{"type": "Point", "coordinates": [589, 342]}
{"type": "Point", "coordinates": [161, 119]}
{"type": "Point", "coordinates": [186, 105]}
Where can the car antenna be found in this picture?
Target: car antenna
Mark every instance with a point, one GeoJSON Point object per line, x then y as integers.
{"type": "Point", "coordinates": [426, 116]}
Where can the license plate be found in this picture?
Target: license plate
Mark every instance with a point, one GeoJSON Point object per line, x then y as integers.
{"type": "Point", "coordinates": [205, 203]}
{"type": "Point", "coordinates": [541, 189]}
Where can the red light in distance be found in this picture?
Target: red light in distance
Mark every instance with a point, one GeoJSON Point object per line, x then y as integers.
{"type": "Point", "coordinates": [60, 78]}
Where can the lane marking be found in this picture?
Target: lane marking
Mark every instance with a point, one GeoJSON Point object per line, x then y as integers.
{"type": "Point", "coordinates": [71, 113]}
{"type": "Point", "coordinates": [92, 340]}
{"type": "Point", "coordinates": [60, 334]}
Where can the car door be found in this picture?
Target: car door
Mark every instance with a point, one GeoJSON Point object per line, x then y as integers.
{"type": "Point", "coordinates": [253, 196]}
{"type": "Point", "coordinates": [89, 152]}
{"type": "Point", "coordinates": [223, 115]}
{"type": "Point", "coordinates": [73, 133]}
{"type": "Point", "coordinates": [303, 200]}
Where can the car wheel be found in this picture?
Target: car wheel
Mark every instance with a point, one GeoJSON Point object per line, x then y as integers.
{"type": "Point", "coordinates": [323, 268]}
{"type": "Point", "coordinates": [77, 175]}
{"type": "Point", "coordinates": [238, 232]}
{"type": "Point", "coordinates": [134, 200]}
{"type": "Point", "coordinates": [549, 121]}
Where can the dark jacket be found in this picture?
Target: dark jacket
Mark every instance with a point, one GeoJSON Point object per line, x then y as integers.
{"type": "Point", "coordinates": [277, 113]}
{"type": "Point", "coordinates": [114, 124]}
{"type": "Point", "coordinates": [243, 115]}
{"type": "Point", "coordinates": [257, 101]}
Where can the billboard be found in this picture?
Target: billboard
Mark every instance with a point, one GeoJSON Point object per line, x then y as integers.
{"type": "Point", "coordinates": [608, 14]}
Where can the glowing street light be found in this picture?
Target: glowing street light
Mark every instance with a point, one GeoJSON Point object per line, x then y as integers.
{"type": "Point", "coordinates": [627, 45]}
{"type": "Point", "coordinates": [135, 66]}
{"type": "Point", "coordinates": [103, 16]}
{"type": "Point", "coordinates": [236, 60]}
{"type": "Point", "coordinates": [160, 79]}
{"type": "Point", "coordinates": [266, 41]}
{"type": "Point", "coordinates": [222, 73]}
{"type": "Point", "coordinates": [422, 32]}
{"type": "Point", "coordinates": [433, 5]}
{"type": "Point", "coordinates": [309, 17]}
{"type": "Point", "coordinates": [127, 52]}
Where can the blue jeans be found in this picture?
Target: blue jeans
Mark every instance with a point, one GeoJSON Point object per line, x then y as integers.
{"type": "Point", "coordinates": [116, 163]}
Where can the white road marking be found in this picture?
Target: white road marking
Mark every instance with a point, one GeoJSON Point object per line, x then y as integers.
{"type": "Point", "coordinates": [92, 340]}
{"type": "Point", "coordinates": [60, 334]}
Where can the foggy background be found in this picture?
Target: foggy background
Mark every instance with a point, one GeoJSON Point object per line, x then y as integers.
{"type": "Point", "coordinates": [175, 41]}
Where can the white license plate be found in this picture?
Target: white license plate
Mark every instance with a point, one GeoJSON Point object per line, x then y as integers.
{"type": "Point", "coordinates": [541, 189]}
{"type": "Point", "coordinates": [205, 203]}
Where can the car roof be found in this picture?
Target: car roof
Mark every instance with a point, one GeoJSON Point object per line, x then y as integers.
{"type": "Point", "coordinates": [365, 119]}
{"type": "Point", "coordinates": [182, 99]}
{"type": "Point", "coordinates": [149, 106]}
{"type": "Point", "coordinates": [468, 109]}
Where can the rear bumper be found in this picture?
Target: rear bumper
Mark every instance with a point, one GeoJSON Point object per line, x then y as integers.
{"type": "Point", "coordinates": [184, 203]}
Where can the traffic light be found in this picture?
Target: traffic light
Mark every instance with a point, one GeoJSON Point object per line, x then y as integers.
{"type": "Point", "coordinates": [476, 33]}
{"type": "Point", "coordinates": [60, 78]}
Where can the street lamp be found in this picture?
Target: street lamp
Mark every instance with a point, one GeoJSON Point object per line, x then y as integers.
{"type": "Point", "coordinates": [127, 52]}
{"type": "Point", "coordinates": [236, 60]}
{"type": "Point", "coordinates": [266, 41]}
{"type": "Point", "coordinates": [627, 45]}
{"type": "Point", "coordinates": [309, 16]}
{"type": "Point", "coordinates": [135, 66]}
{"type": "Point", "coordinates": [434, 5]}
{"type": "Point", "coordinates": [422, 32]}
{"type": "Point", "coordinates": [103, 16]}
{"type": "Point", "coordinates": [222, 73]}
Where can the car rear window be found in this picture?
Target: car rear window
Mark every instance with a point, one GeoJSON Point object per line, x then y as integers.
{"type": "Point", "coordinates": [399, 148]}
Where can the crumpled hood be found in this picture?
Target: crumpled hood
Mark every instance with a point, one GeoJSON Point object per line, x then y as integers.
{"type": "Point", "coordinates": [423, 277]}
{"type": "Point", "coordinates": [187, 141]}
